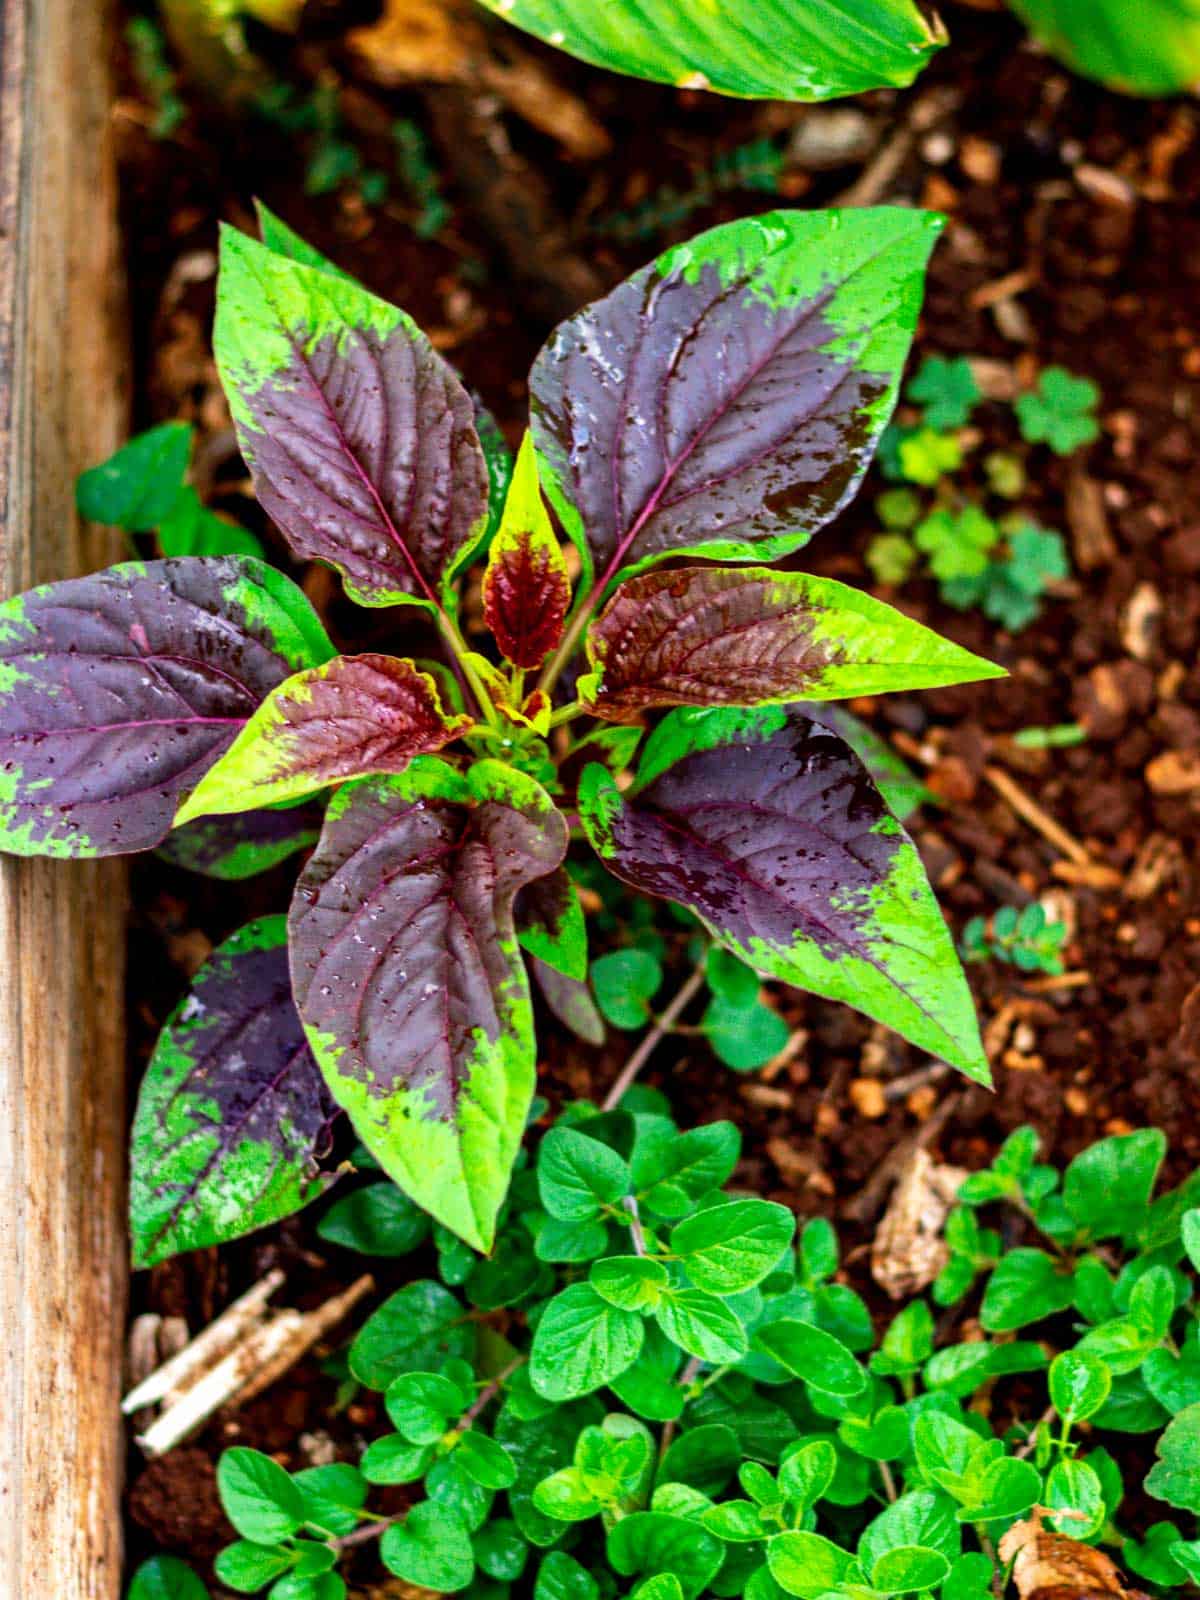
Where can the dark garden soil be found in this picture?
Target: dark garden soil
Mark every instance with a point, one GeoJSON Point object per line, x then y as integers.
{"type": "Point", "coordinates": [1074, 237]}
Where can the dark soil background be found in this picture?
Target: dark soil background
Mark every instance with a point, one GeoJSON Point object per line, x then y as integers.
{"type": "Point", "coordinates": [1073, 237]}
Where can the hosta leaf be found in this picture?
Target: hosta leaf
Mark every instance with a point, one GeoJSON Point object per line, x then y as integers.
{"type": "Point", "coordinates": [550, 924]}
{"type": "Point", "coordinates": [118, 691]}
{"type": "Point", "coordinates": [776, 50]}
{"type": "Point", "coordinates": [232, 1112]}
{"type": "Point", "coordinates": [526, 590]}
{"type": "Point", "coordinates": [360, 439]}
{"type": "Point", "coordinates": [1149, 49]}
{"type": "Point", "coordinates": [767, 826]}
{"type": "Point", "coordinates": [727, 399]}
{"type": "Point", "coordinates": [712, 636]}
{"type": "Point", "coordinates": [235, 847]}
{"type": "Point", "coordinates": [350, 717]}
{"type": "Point", "coordinates": [410, 980]}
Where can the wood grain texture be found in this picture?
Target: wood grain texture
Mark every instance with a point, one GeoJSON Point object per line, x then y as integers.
{"type": "Point", "coordinates": [62, 1239]}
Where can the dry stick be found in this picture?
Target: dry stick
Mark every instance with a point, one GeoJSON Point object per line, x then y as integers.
{"type": "Point", "coordinates": [1029, 811]}
{"type": "Point", "coordinates": [654, 1038]}
{"type": "Point", "coordinates": [877, 177]}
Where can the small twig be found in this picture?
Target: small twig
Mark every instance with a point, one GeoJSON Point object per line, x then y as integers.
{"type": "Point", "coordinates": [369, 1531]}
{"type": "Point", "coordinates": [485, 1396]}
{"type": "Point", "coordinates": [654, 1038]}
{"type": "Point", "coordinates": [1041, 821]}
{"type": "Point", "coordinates": [889, 1483]}
{"type": "Point", "coordinates": [898, 1088]}
{"type": "Point", "coordinates": [877, 177]}
{"type": "Point", "coordinates": [1030, 1444]}
{"type": "Point", "coordinates": [685, 1380]}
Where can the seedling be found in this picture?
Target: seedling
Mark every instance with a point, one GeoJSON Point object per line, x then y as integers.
{"type": "Point", "coordinates": [653, 1388]}
{"type": "Point", "coordinates": [165, 695]}
{"type": "Point", "coordinates": [1060, 411]}
{"type": "Point", "coordinates": [1026, 939]}
{"type": "Point", "coordinates": [1003, 563]}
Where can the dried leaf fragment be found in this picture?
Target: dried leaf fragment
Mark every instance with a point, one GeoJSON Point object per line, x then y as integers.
{"type": "Point", "coordinates": [908, 1251]}
{"type": "Point", "coordinates": [1047, 1564]}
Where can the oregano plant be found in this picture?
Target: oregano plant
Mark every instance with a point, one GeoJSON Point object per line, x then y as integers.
{"type": "Point", "coordinates": [655, 1388]}
{"type": "Point", "coordinates": [721, 405]}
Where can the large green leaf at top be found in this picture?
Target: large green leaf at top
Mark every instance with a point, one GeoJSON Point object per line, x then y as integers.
{"type": "Point", "coordinates": [118, 691]}
{"type": "Point", "coordinates": [726, 400]}
{"type": "Point", "coordinates": [712, 636]}
{"type": "Point", "coordinates": [349, 717]}
{"type": "Point", "coordinates": [232, 1114]}
{"type": "Point", "coordinates": [410, 980]}
{"type": "Point", "coordinates": [1147, 47]}
{"type": "Point", "coordinates": [768, 827]}
{"type": "Point", "coordinates": [771, 50]}
{"type": "Point", "coordinates": [360, 438]}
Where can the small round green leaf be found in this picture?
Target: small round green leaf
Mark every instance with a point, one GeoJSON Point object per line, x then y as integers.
{"type": "Point", "coordinates": [259, 1497]}
{"type": "Point", "coordinates": [1079, 1385]}
{"type": "Point", "coordinates": [431, 1547]}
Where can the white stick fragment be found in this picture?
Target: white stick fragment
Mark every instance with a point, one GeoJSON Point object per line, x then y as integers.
{"type": "Point", "coordinates": [264, 1345]}
{"type": "Point", "coordinates": [207, 1347]}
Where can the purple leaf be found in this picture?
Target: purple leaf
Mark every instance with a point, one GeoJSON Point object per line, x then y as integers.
{"type": "Point", "coordinates": [233, 1114]}
{"type": "Point", "coordinates": [726, 400]}
{"type": "Point", "coordinates": [711, 636]}
{"type": "Point", "coordinates": [119, 691]}
{"type": "Point", "coordinates": [411, 982]}
{"type": "Point", "coordinates": [360, 438]}
{"type": "Point", "coordinates": [236, 847]}
{"type": "Point", "coordinates": [768, 827]}
{"type": "Point", "coordinates": [570, 1000]}
{"type": "Point", "coordinates": [526, 591]}
{"type": "Point", "coordinates": [352, 716]}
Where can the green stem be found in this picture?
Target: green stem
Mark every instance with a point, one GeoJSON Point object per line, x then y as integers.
{"type": "Point", "coordinates": [553, 668]}
{"type": "Point", "coordinates": [566, 714]}
{"type": "Point", "coordinates": [459, 652]}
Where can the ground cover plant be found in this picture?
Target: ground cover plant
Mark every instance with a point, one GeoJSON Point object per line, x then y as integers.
{"type": "Point", "coordinates": [722, 403]}
{"type": "Point", "coordinates": [655, 1388]}
{"type": "Point", "coordinates": [961, 521]}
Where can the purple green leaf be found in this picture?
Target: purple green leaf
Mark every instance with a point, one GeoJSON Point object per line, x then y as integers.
{"type": "Point", "coordinates": [712, 636]}
{"type": "Point", "coordinates": [526, 590]}
{"type": "Point", "coordinates": [410, 979]}
{"type": "Point", "coordinates": [236, 847]}
{"type": "Point", "coordinates": [119, 691]}
{"type": "Point", "coordinates": [768, 827]}
{"type": "Point", "coordinates": [550, 925]}
{"type": "Point", "coordinates": [233, 1115]}
{"type": "Point", "coordinates": [570, 1000]}
{"type": "Point", "coordinates": [897, 782]}
{"type": "Point", "coordinates": [360, 438]}
{"type": "Point", "coordinates": [726, 400]}
{"type": "Point", "coordinates": [347, 718]}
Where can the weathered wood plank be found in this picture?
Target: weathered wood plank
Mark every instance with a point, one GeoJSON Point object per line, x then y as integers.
{"type": "Point", "coordinates": [62, 1249]}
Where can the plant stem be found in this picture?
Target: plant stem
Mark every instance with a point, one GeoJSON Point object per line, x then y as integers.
{"type": "Point", "coordinates": [458, 654]}
{"type": "Point", "coordinates": [566, 714]}
{"type": "Point", "coordinates": [635, 1225]}
{"type": "Point", "coordinates": [553, 668]}
{"type": "Point", "coordinates": [889, 1483]}
{"type": "Point", "coordinates": [364, 1535]}
{"type": "Point", "coordinates": [654, 1037]}
{"type": "Point", "coordinates": [486, 1395]}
